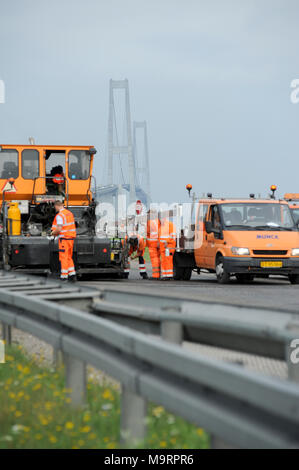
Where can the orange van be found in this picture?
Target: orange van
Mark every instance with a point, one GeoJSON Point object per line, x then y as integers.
{"type": "Point", "coordinates": [242, 238]}
{"type": "Point", "coordinates": [293, 200]}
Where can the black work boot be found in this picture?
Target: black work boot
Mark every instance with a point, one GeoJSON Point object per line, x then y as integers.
{"type": "Point", "coordinates": [73, 278]}
{"type": "Point", "coordinates": [144, 275]}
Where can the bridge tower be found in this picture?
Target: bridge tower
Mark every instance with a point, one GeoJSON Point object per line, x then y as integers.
{"type": "Point", "coordinates": [141, 158]}
{"type": "Point", "coordinates": [116, 148]}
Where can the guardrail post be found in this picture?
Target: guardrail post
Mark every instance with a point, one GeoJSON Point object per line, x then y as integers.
{"type": "Point", "coordinates": [172, 331]}
{"type": "Point", "coordinates": [6, 333]}
{"type": "Point", "coordinates": [133, 415]}
{"type": "Point", "coordinates": [292, 356]}
{"type": "Point", "coordinates": [57, 358]}
{"type": "Point", "coordinates": [75, 372]}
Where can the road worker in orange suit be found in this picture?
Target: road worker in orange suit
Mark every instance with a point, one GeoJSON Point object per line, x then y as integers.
{"type": "Point", "coordinates": [64, 228]}
{"type": "Point", "coordinates": [58, 178]}
{"type": "Point", "coordinates": [136, 250]}
{"type": "Point", "coordinates": [167, 242]}
{"type": "Point", "coordinates": [153, 229]}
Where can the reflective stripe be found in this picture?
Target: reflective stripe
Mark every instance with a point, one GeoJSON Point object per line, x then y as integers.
{"type": "Point", "coordinates": [63, 276]}
{"type": "Point", "coordinates": [64, 270]}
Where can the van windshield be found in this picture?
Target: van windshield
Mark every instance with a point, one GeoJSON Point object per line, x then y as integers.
{"type": "Point", "coordinates": [257, 216]}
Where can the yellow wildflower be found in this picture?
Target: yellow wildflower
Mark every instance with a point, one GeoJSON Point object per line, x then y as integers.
{"type": "Point", "coordinates": [18, 414]}
{"type": "Point", "coordinates": [107, 395]}
{"type": "Point", "coordinates": [43, 420]}
{"type": "Point", "coordinates": [157, 412]}
{"type": "Point", "coordinates": [111, 445]}
{"type": "Point", "coordinates": [86, 417]}
{"type": "Point", "coordinates": [85, 429]}
{"type": "Point", "coordinates": [36, 387]}
{"type": "Point", "coordinates": [69, 425]}
{"type": "Point", "coordinates": [52, 439]}
{"type": "Point", "coordinates": [163, 444]}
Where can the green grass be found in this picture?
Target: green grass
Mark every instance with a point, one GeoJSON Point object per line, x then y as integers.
{"type": "Point", "coordinates": [35, 413]}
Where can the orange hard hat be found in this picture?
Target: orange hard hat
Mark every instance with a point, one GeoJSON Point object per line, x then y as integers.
{"type": "Point", "coordinates": [58, 178]}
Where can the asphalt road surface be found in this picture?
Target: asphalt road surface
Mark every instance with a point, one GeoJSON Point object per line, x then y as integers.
{"type": "Point", "coordinates": [274, 293]}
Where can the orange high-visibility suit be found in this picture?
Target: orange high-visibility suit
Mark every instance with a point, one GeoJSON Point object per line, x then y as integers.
{"type": "Point", "coordinates": [66, 239]}
{"type": "Point", "coordinates": [153, 228]}
{"type": "Point", "coordinates": [167, 241]}
{"type": "Point", "coordinates": [139, 248]}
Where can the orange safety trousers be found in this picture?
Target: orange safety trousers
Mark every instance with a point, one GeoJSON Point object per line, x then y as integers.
{"type": "Point", "coordinates": [154, 252]}
{"type": "Point", "coordinates": [66, 248]}
{"type": "Point", "coordinates": [167, 251]}
{"type": "Point", "coordinates": [153, 228]}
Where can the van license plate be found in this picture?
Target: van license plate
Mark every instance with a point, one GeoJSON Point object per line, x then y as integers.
{"type": "Point", "coordinates": [271, 264]}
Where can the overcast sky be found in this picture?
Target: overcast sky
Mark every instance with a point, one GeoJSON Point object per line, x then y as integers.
{"type": "Point", "coordinates": [212, 79]}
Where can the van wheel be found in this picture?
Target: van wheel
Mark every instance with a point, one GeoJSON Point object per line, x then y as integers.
{"type": "Point", "coordinates": [187, 274]}
{"type": "Point", "coordinates": [294, 278]}
{"type": "Point", "coordinates": [222, 276]}
{"type": "Point", "coordinates": [178, 272]}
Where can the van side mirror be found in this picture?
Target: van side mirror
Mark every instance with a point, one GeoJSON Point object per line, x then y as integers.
{"type": "Point", "coordinates": [208, 226]}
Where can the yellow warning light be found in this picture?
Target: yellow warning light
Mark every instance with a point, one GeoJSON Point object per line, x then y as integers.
{"type": "Point", "coordinates": [189, 187]}
{"type": "Point", "coordinates": [273, 188]}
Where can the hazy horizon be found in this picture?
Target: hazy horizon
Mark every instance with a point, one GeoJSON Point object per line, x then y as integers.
{"type": "Point", "coordinates": [212, 80]}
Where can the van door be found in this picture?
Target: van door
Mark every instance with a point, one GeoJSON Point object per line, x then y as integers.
{"type": "Point", "coordinates": [213, 239]}
{"type": "Point", "coordinates": [200, 235]}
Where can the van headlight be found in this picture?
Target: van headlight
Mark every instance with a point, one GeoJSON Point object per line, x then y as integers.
{"type": "Point", "coordinates": [295, 252]}
{"type": "Point", "coordinates": [239, 251]}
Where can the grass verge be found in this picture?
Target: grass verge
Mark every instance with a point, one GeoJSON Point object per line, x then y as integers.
{"type": "Point", "coordinates": [34, 413]}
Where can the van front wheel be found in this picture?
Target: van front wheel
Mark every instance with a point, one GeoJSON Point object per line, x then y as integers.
{"type": "Point", "coordinates": [294, 278]}
{"type": "Point", "coordinates": [222, 275]}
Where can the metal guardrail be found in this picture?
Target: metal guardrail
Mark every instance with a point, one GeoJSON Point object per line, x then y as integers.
{"type": "Point", "coordinates": [238, 406]}
{"type": "Point", "coordinates": [257, 331]}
